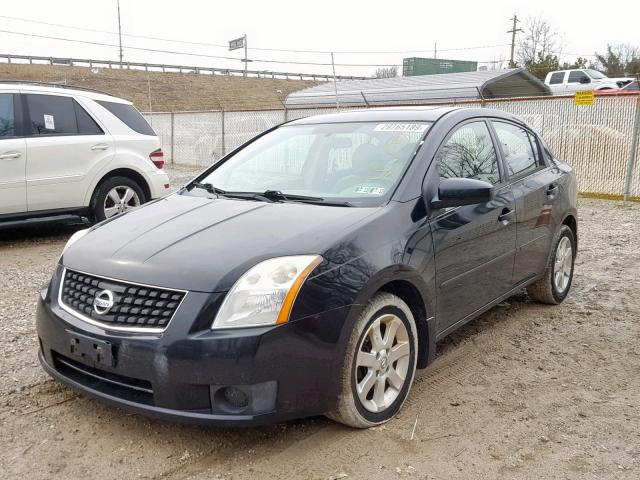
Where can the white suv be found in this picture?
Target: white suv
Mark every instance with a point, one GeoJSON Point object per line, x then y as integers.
{"type": "Point", "coordinates": [67, 151]}
{"type": "Point", "coordinates": [569, 81]}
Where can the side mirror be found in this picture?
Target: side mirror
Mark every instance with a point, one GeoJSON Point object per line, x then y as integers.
{"type": "Point", "coordinates": [585, 80]}
{"type": "Point", "coordinates": [455, 192]}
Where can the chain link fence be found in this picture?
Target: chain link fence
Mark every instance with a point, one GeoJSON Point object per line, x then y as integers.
{"type": "Point", "coordinates": [596, 140]}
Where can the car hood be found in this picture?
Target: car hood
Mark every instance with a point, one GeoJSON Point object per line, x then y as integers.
{"type": "Point", "coordinates": [202, 244]}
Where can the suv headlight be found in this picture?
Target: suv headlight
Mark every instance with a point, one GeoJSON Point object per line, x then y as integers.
{"type": "Point", "coordinates": [265, 294]}
{"type": "Point", "coordinates": [74, 238]}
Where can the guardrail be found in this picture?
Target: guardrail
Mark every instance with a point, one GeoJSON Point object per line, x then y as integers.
{"type": "Point", "coordinates": [160, 67]}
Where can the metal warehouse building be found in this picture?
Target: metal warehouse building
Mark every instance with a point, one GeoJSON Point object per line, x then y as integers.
{"type": "Point", "coordinates": [449, 87]}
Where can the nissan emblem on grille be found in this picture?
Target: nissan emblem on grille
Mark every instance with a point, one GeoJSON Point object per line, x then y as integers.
{"type": "Point", "coordinates": [103, 302]}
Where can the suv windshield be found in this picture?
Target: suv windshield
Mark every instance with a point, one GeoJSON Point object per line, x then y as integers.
{"type": "Point", "coordinates": [358, 163]}
{"type": "Point", "coordinates": [595, 74]}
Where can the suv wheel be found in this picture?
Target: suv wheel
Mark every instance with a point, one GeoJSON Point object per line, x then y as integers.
{"type": "Point", "coordinates": [380, 363]}
{"type": "Point", "coordinates": [554, 286]}
{"type": "Point", "coordinates": [115, 196]}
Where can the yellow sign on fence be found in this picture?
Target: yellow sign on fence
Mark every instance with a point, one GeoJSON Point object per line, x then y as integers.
{"type": "Point", "coordinates": [584, 97]}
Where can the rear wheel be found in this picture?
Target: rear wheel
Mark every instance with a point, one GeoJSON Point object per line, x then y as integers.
{"type": "Point", "coordinates": [380, 363]}
{"type": "Point", "coordinates": [115, 196]}
{"type": "Point", "coordinates": [554, 286]}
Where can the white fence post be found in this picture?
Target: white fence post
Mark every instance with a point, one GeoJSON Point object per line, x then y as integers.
{"type": "Point", "coordinates": [632, 153]}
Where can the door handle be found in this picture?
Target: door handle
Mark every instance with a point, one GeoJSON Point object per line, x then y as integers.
{"type": "Point", "coordinates": [10, 156]}
{"type": "Point", "coordinates": [100, 146]}
{"type": "Point", "coordinates": [506, 215]}
{"type": "Point", "coordinates": [552, 189]}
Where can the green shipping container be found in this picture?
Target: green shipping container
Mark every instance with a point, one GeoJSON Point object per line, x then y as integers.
{"type": "Point", "coordinates": [431, 66]}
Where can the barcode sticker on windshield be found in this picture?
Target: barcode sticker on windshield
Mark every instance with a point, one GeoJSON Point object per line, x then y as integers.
{"type": "Point", "coordinates": [401, 127]}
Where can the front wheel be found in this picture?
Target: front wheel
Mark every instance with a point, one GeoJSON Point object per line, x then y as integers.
{"type": "Point", "coordinates": [380, 363]}
{"type": "Point", "coordinates": [115, 196]}
{"type": "Point", "coordinates": [554, 286]}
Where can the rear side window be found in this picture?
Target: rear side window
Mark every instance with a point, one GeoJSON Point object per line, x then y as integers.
{"type": "Point", "coordinates": [576, 76]}
{"type": "Point", "coordinates": [469, 153]}
{"type": "Point", "coordinates": [556, 78]}
{"type": "Point", "coordinates": [518, 148]}
{"type": "Point", "coordinates": [86, 124]}
{"type": "Point", "coordinates": [129, 116]}
{"type": "Point", "coordinates": [7, 116]}
{"type": "Point", "coordinates": [52, 115]}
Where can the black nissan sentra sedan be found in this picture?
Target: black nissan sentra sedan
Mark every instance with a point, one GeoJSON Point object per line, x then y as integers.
{"type": "Point", "coordinates": [313, 269]}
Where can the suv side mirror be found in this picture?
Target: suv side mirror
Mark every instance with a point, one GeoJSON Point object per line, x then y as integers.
{"type": "Point", "coordinates": [585, 80]}
{"type": "Point", "coordinates": [455, 192]}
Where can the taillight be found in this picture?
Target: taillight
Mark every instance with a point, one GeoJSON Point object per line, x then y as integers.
{"type": "Point", "coordinates": [157, 157]}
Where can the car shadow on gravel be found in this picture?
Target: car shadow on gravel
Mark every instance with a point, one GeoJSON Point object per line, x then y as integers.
{"type": "Point", "coordinates": [36, 233]}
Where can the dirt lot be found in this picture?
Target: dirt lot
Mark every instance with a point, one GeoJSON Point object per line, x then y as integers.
{"type": "Point", "coordinates": [525, 391]}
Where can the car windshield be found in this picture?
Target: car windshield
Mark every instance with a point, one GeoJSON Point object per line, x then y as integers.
{"type": "Point", "coordinates": [355, 163]}
{"type": "Point", "coordinates": [632, 86]}
{"type": "Point", "coordinates": [595, 74]}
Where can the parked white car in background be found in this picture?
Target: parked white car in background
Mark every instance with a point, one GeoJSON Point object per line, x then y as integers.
{"type": "Point", "coordinates": [71, 152]}
{"type": "Point", "coordinates": [567, 82]}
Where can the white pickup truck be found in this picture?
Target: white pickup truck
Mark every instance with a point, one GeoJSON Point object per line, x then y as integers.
{"type": "Point", "coordinates": [567, 82]}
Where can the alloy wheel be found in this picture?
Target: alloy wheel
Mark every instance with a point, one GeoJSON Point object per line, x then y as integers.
{"type": "Point", "coordinates": [119, 200]}
{"type": "Point", "coordinates": [563, 264]}
{"type": "Point", "coordinates": [382, 363]}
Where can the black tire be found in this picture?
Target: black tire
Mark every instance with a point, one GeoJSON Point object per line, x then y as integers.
{"type": "Point", "coordinates": [349, 409]}
{"type": "Point", "coordinates": [96, 207]}
{"type": "Point", "coordinates": [545, 289]}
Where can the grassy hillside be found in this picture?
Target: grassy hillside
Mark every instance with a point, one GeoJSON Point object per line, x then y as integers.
{"type": "Point", "coordinates": [169, 91]}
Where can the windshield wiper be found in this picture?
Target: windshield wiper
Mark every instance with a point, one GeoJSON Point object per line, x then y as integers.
{"type": "Point", "coordinates": [269, 196]}
{"type": "Point", "coordinates": [209, 188]}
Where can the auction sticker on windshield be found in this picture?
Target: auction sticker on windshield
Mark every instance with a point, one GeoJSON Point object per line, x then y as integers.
{"type": "Point", "coordinates": [369, 190]}
{"type": "Point", "coordinates": [401, 127]}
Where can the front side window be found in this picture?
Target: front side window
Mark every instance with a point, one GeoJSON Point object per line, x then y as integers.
{"type": "Point", "coordinates": [356, 162]}
{"type": "Point", "coordinates": [7, 118]}
{"type": "Point", "coordinates": [556, 78]}
{"type": "Point", "coordinates": [469, 153]}
{"type": "Point", "coordinates": [51, 115]}
{"type": "Point", "coordinates": [577, 76]}
{"type": "Point", "coordinates": [519, 148]}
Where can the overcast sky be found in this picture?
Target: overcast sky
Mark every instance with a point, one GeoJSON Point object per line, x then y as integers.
{"type": "Point", "coordinates": [327, 25]}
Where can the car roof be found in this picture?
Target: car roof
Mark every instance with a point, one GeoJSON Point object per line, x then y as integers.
{"type": "Point", "coordinates": [60, 89]}
{"type": "Point", "coordinates": [398, 114]}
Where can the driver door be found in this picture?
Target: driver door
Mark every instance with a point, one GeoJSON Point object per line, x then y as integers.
{"type": "Point", "coordinates": [474, 244]}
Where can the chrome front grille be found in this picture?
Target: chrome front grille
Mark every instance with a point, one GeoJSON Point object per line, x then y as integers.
{"type": "Point", "coordinates": [133, 306]}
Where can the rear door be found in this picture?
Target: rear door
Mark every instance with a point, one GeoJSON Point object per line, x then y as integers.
{"type": "Point", "coordinates": [474, 244]}
{"type": "Point", "coordinates": [13, 157]}
{"type": "Point", "coordinates": [556, 84]}
{"type": "Point", "coordinates": [535, 187]}
{"type": "Point", "coordinates": [64, 145]}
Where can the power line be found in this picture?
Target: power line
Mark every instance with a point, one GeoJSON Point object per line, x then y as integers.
{"type": "Point", "coordinates": [205, 44]}
{"type": "Point", "coordinates": [191, 54]}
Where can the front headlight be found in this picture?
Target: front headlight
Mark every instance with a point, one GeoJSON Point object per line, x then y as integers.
{"type": "Point", "coordinates": [74, 238]}
{"type": "Point", "coordinates": [265, 294]}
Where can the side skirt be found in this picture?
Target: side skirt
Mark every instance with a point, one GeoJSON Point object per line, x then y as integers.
{"type": "Point", "coordinates": [488, 306]}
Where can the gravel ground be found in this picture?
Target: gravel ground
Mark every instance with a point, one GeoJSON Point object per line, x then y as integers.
{"type": "Point", "coordinates": [525, 391]}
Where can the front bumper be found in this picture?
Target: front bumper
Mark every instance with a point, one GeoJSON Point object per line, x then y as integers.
{"type": "Point", "coordinates": [287, 371]}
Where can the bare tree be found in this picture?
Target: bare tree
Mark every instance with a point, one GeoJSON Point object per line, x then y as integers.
{"type": "Point", "coordinates": [387, 72]}
{"type": "Point", "coordinates": [620, 59]}
{"type": "Point", "coordinates": [540, 40]}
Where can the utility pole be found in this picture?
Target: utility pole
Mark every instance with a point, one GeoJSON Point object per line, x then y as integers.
{"type": "Point", "coordinates": [119, 33]}
{"type": "Point", "coordinates": [335, 83]}
{"type": "Point", "coordinates": [246, 59]}
{"type": "Point", "coordinates": [513, 31]}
